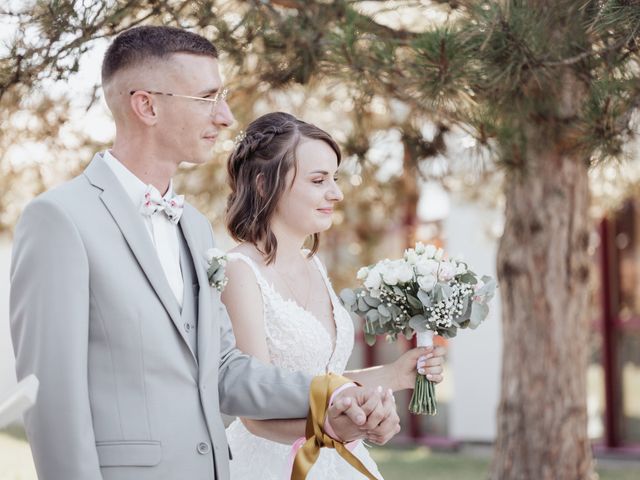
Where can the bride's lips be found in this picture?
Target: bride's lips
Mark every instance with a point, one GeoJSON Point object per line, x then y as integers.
{"type": "Point", "coordinates": [327, 211]}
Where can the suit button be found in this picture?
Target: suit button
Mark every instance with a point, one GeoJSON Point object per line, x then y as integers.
{"type": "Point", "coordinates": [203, 448]}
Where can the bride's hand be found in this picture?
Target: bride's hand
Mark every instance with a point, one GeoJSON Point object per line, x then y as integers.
{"type": "Point", "coordinates": [422, 361]}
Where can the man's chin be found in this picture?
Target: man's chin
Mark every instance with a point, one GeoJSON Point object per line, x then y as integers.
{"type": "Point", "coordinates": [202, 158]}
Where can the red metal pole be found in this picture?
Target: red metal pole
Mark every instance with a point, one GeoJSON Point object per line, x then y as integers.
{"type": "Point", "coordinates": [609, 315]}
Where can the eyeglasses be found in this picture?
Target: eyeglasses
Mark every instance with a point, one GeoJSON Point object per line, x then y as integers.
{"type": "Point", "coordinates": [219, 96]}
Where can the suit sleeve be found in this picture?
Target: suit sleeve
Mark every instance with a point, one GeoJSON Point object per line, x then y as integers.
{"type": "Point", "coordinates": [49, 316]}
{"type": "Point", "coordinates": [251, 388]}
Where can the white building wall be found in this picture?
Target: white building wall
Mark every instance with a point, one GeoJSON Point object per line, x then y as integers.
{"type": "Point", "coordinates": [474, 356]}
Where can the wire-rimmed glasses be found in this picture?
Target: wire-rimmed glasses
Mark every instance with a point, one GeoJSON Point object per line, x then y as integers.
{"type": "Point", "coordinates": [219, 96]}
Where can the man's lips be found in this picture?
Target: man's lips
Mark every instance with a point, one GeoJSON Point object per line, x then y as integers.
{"type": "Point", "coordinates": [210, 138]}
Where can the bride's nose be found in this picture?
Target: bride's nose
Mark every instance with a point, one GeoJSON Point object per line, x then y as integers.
{"type": "Point", "coordinates": [335, 194]}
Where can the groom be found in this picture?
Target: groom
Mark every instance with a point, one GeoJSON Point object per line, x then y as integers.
{"type": "Point", "coordinates": [110, 303]}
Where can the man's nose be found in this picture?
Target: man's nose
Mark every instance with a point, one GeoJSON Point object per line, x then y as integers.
{"type": "Point", "coordinates": [223, 117]}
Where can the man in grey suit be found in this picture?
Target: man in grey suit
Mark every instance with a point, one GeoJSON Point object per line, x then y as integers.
{"type": "Point", "coordinates": [110, 302]}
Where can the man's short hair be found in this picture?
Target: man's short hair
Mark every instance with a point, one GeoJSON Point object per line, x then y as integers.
{"type": "Point", "coordinates": [138, 44]}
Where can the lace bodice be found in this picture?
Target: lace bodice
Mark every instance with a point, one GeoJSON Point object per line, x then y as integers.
{"type": "Point", "coordinates": [296, 339]}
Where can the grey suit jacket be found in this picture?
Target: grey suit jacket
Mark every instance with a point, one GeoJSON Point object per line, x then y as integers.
{"type": "Point", "coordinates": [93, 316]}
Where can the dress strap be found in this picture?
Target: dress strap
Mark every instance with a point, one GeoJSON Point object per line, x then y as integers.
{"type": "Point", "coordinates": [262, 282]}
{"type": "Point", "coordinates": [325, 275]}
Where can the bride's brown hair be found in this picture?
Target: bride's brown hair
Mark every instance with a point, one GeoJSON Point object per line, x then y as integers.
{"type": "Point", "coordinates": [257, 170]}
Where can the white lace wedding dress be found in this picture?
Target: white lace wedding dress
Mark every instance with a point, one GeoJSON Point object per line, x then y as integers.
{"type": "Point", "coordinates": [297, 341]}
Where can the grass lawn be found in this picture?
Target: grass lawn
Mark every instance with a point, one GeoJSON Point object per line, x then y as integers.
{"type": "Point", "coordinates": [395, 464]}
{"type": "Point", "coordinates": [422, 463]}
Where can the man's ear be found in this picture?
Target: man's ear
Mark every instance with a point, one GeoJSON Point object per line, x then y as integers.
{"type": "Point", "coordinates": [142, 104]}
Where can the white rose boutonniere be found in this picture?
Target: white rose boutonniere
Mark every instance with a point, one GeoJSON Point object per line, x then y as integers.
{"type": "Point", "coordinates": [216, 263]}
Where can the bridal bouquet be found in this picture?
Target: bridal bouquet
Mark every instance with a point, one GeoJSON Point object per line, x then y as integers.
{"type": "Point", "coordinates": [423, 293]}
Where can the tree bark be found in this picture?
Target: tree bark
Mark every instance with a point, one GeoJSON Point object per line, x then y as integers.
{"type": "Point", "coordinates": [543, 268]}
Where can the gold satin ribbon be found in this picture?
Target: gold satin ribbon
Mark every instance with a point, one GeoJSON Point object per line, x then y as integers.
{"type": "Point", "coordinates": [320, 392]}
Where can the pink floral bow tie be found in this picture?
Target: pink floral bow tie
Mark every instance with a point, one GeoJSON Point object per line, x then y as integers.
{"type": "Point", "coordinates": [153, 202]}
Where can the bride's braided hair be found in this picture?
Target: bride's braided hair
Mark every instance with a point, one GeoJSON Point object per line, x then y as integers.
{"type": "Point", "coordinates": [257, 169]}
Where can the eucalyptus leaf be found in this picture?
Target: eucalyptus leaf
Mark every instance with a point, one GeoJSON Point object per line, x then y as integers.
{"type": "Point", "coordinates": [408, 332]}
{"type": "Point", "coordinates": [448, 332]}
{"type": "Point", "coordinates": [424, 298]}
{"type": "Point", "coordinates": [362, 305]}
{"type": "Point", "coordinates": [373, 302]}
{"type": "Point", "coordinates": [438, 295]}
{"type": "Point", "coordinates": [468, 278]}
{"type": "Point", "coordinates": [488, 289]}
{"type": "Point", "coordinates": [447, 290]}
{"type": "Point", "coordinates": [479, 312]}
{"type": "Point", "coordinates": [372, 316]}
{"type": "Point", "coordinates": [218, 276]}
{"type": "Point", "coordinates": [398, 291]}
{"type": "Point", "coordinates": [418, 323]}
{"type": "Point", "coordinates": [464, 323]}
{"type": "Point", "coordinates": [395, 311]}
{"type": "Point", "coordinates": [414, 302]}
{"type": "Point", "coordinates": [348, 297]}
{"type": "Point", "coordinates": [384, 311]}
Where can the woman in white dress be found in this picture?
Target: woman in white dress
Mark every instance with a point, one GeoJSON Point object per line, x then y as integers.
{"type": "Point", "coordinates": [282, 306]}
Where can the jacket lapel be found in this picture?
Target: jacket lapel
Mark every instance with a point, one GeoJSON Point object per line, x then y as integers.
{"type": "Point", "coordinates": [135, 233]}
{"type": "Point", "coordinates": [189, 225]}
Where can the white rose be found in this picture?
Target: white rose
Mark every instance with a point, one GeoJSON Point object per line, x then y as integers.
{"type": "Point", "coordinates": [390, 276]}
{"type": "Point", "coordinates": [373, 280]}
{"type": "Point", "coordinates": [427, 282]}
{"type": "Point", "coordinates": [405, 273]}
{"type": "Point", "coordinates": [446, 271]}
{"type": "Point", "coordinates": [429, 251]}
{"type": "Point", "coordinates": [427, 267]}
{"type": "Point", "coordinates": [411, 257]}
{"type": "Point", "coordinates": [419, 248]}
{"type": "Point", "coordinates": [362, 273]}
{"type": "Point", "coordinates": [439, 254]}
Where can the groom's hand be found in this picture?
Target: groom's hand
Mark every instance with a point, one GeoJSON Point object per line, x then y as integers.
{"type": "Point", "coordinates": [390, 424]}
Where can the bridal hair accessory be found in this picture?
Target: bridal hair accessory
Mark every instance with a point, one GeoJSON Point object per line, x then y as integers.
{"type": "Point", "coordinates": [239, 138]}
{"type": "Point", "coordinates": [216, 263]}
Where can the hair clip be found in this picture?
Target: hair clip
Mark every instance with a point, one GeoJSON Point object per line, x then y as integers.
{"type": "Point", "coordinates": [239, 138]}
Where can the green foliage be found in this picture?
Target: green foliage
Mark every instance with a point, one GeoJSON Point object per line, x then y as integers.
{"type": "Point", "coordinates": [512, 72]}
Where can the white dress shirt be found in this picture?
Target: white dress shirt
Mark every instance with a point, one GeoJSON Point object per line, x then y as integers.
{"type": "Point", "coordinates": [163, 233]}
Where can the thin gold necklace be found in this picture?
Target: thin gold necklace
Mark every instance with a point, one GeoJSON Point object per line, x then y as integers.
{"type": "Point", "coordinates": [295, 297]}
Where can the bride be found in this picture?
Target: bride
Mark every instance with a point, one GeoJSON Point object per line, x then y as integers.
{"type": "Point", "coordinates": [282, 306]}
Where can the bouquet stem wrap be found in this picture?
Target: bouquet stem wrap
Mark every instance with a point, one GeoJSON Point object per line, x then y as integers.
{"type": "Point", "coordinates": [320, 392]}
{"type": "Point", "coordinates": [423, 400]}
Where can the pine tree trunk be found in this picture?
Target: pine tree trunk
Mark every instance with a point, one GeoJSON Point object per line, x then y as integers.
{"type": "Point", "coordinates": [543, 268]}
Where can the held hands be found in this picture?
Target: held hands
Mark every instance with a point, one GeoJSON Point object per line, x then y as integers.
{"type": "Point", "coordinates": [360, 412]}
{"type": "Point", "coordinates": [427, 360]}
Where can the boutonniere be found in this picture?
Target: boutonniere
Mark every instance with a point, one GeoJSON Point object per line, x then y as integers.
{"type": "Point", "coordinates": [216, 262]}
